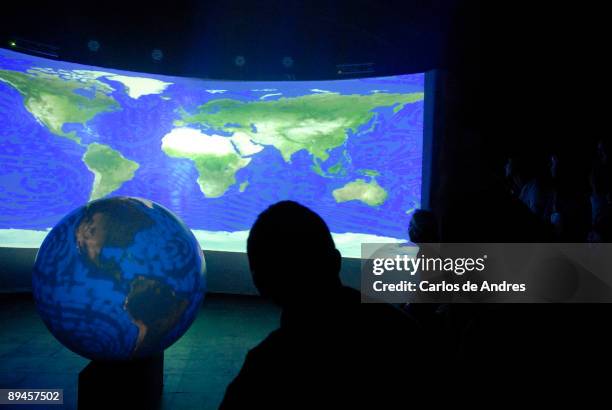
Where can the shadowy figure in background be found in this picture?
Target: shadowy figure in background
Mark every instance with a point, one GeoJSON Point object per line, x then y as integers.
{"type": "Point", "coordinates": [553, 189]}
{"type": "Point", "coordinates": [422, 231]}
{"type": "Point", "coordinates": [478, 332]}
{"type": "Point", "coordinates": [423, 227]}
{"type": "Point", "coordinates": [521, 177]}
{"type": "Point", "coordinates": [600, 180]}
{"type": "Point", "coordinates": [330, 349]}
{"type": "Point", "coordinates": [568, 209]}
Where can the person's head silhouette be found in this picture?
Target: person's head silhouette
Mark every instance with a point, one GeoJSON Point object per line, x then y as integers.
{"type": "Point", "coordinates": [292, 255]}
{"type": "Point", "coordinates": [423, 227]}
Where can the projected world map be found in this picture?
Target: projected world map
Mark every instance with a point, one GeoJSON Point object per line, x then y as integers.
{"type": "Point", "coordinates": [216, 153]}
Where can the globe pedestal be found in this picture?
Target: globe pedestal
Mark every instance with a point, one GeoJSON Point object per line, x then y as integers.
{"type": "Point", "coordinates": [134, 384]}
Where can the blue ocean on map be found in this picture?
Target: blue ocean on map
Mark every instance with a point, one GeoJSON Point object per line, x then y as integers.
{"type": "Point", "coordinates": [216, 153]}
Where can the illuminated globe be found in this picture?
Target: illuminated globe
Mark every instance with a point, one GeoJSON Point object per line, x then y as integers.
{"type": "Point", "coordinates": [119, 278]}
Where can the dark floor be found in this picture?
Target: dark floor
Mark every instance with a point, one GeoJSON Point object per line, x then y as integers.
{"type": "Point", "coordinates": [197, 368]}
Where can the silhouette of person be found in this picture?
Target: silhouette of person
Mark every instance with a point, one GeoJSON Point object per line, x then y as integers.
{"type": "Point", "coordinates": [423, 231]}
{"type": "Point", "coordinates": [525, 184]}
{"type": "Point", "coordinates": [330, 348]}
{"type": "Point", "coordinates": [423, 227]}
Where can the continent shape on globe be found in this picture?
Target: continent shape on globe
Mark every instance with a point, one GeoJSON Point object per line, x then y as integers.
{"type": "Point", "coordinates": [119, 278]}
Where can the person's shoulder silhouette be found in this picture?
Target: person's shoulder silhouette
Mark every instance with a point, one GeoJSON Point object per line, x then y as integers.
{"type": "Point", "coordinates": [330, 347]}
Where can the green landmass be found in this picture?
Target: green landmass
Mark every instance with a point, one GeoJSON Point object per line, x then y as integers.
{"type": "Point", "coordinates": [243, 186]}
{"type": "Point", "coordinates": [397, 108]}
{"type": "Point", "coordinates": [110, 169]}
{"type": "Point", "coordinates": [369, 193]}
{"type": "Point", "coordinates": [334, 169]}
{"type": "Point", "coordinates": [316, 167]}
{"type": "Point", "coordinates": [316, 123]}
{"type": "Point", "coordinates": [216, 172]}
{"type": "Point", "coordinates": [52, 99]}
{"type": "Point", "coordinates": [369, 172]}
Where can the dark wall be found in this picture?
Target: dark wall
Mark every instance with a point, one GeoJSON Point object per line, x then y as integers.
{"type": "Point", "coordinates": [202, 38]}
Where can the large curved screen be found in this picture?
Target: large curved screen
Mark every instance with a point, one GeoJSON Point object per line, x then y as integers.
{"type": "Point", "coordinates": [216, 153]}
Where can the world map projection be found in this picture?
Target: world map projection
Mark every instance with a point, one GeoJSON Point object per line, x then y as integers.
{"type": "Point", "coordinates": [216, 153]}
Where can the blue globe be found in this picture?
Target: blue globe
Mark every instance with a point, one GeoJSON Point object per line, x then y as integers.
{"type": "Point", "coordinates": [119, 278]}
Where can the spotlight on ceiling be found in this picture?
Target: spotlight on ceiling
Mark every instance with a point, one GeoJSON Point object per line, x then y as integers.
{"type": "Point", "coordinates": [240, 61]}
{"type": "Point", "coordinates": [93, 45]}
{"type": "Point", "coordinates": [287, 62]}
{"type": "Point", "coordinates": [157, 54]}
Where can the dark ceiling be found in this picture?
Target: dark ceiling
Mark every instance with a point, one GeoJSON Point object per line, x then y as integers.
{"type": "Point", "coordinates": [202, 39]}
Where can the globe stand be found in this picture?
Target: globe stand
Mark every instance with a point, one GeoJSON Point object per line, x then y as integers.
{"type": "Point", "coordinates": [134, 384]}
